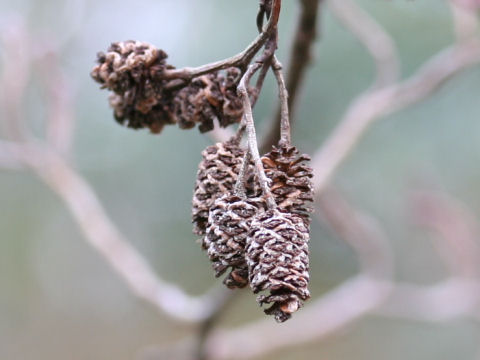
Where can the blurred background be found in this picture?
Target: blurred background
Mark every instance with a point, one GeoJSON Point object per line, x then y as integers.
{"type": "Point", "coordinates": [59, 299]}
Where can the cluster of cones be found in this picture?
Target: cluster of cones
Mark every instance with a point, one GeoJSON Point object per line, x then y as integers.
{"type": "Point", "coordinates": [265, 248]}
{"type": "Point", "coordinates": [143, 97]}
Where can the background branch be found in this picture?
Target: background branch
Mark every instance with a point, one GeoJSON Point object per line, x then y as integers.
{"type": "Point", "coordinates": [379, 103]}
{"type": "Point", "coordinates": [300, 57]}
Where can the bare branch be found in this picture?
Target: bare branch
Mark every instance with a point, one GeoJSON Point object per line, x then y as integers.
{"type": "Point", "coordinates": [240, 60]}
{"type": "Point", "coordinates": [376, 104]}
{"type": "Point", "coordinates": [373, 37]}
{"type": "Point", "coordinates": [252, 136]}
{"type": "Point", "coordinates": [465, 20]}
{"type": "Point", "coordinates": [360, 230]}
{"type": "Point", "coordinates": [447, 300]}
{"type": "Point", "coordinates": [329, 314]}
{"type": "Point", "coordinates": [17, 59]}
{"type": "Point", "coordinates": [456, 228]}
{"type": "Point", "coordinates": [102, 234]}
{"type": "Point", "coordinates": [300, 58]}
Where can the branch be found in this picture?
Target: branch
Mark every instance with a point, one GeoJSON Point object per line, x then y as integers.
{"type": "Point", "coordinates": [240, 60]}
{"type": "Point", "coordinates": [329, 314]}
{"type": "Point", "coordinates": [300, 58]}
{"type": "Point", "coordinates": [372, 36]}
{"type": "Point", "coordinates": [102, 234]}
{"type": "Point", "coordinates": [376, 104]}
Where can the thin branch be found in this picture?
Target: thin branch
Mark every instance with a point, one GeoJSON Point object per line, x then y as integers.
{"type": "Point", "coordinates": [17, 60]}
{"type": "Point", "coordinates": [465, 21]}
{"type": "Point", "coordinates": [300, 58]}
{"type": "Point", "coordinates": [252, 136]}
{"type": "Point", "coordinates": [102, 234]}
{"type": "Point", "coordinates": [240, 60]}
{"type": "Point", "coordinates": [376, 104]}
{"type": "Point", "coordinates": [449, 299]}
{"type": "Point", "coordinates": [285, 136]}
{"type": "Point", "coordinates": [360, 230]}
{"type": "Point", "coordinates": [372, 36]}
{"type": "Point", "coordinates": [329, 314]}
{"type": "Point", "coordinates": [456, 230]}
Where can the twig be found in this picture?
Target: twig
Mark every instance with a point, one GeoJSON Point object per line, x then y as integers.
{"type": "Point", "coordinates": [360, 230]}
{"type": "Point", "coordinates": [449, 299]}
{"type": "Point", "coordinates": [102, 234]}
{"type": "Point", "coordinates": [465, 21]}
{"type": "Point", "coordinates": [240, 60]}
{"type": "Point", "coordinates": [329, 314]}
{"type": "Point", "coordinates": [376, 104]}
{"type": "Point", "coordinates": [456, 231]}
{"type": "Point", "coordinates": [252, 136]}
{"type": "Point", "coordinates": [15, 75]}
{"type": "Point", "coordinates": [300, 57]}
{"type": "Point", "coordinates": [372, 36]}
{"type": "Point", "coordinates": [285, 136]}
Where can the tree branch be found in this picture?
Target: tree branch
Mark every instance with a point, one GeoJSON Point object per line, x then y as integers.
{"type": "Point", "coordinates": [300, 58]}
{"type": "Point", "coordinates": [379, 103]}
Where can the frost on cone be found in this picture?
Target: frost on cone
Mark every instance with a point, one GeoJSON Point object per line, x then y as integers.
{"type": "Point", "coordinates": [277, 259]}
{"type": "Point", "coordinates": [216, 176]}
{"type": "Point", "coordinates": [132, 70]}
{"type": "Point", "coordinates": [228, 225]}
{"type": "Point", "coordinates": [291, 180]}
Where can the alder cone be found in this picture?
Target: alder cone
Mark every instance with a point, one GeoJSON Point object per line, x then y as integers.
{"type": "Point", "coordinates": [228, 226]}
{"type": "Point", "coordinates": [132, 71]}
{"type": "Point", "coordinates": [277, 259]}
{"type": "Point", "coordinates": [216, 176]}
{"type": "Point", "coordinates": [290, 177]}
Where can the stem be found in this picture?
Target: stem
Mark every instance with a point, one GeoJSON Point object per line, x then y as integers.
{"type": "Point", "coordinates": [252, 136]}
{"type": "Point", "coordinates": [285, 137]}
{"type": "Point", "coordinates": [300, 56]}
{"type": "Point", "coordinates": [240, 184]}
{"type": "Point", "coordinates": [240, 60]}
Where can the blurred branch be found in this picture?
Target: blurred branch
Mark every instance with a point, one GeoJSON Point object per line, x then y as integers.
{"type": "Point", "coordinates": [465, 20]}
{"type": "Point", "coordinates": [300, 58]}
{"type": "Point", "coordinates": [379, 103]}
{"type": "Point", "coordinates": [447, 300]}
{"type": "Point", "coordinates": [360, 230]}
{"type": "Point", "coordinates": [102, 234]}
{"type": "Point", "coordinates": [17, 62]}
{"type": "Point", "coordinates": [456, 230]}
{"type": "Point", "coordinates": [329, 314]}
{"type": "Point", "coordinates": [59, 99]}
{"type": "Point", "coordinates": [372, 36]}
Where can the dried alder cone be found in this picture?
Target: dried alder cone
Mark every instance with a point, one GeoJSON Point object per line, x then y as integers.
{"type": "Point", "coordinates": [228, 226]}
{"type": "Point", "coordinates": [216, 176]}
{"type": "Point", "coordinates": [277, 259]}
{"type": "Point", "coordinates": [142, 97]}
{"type": "Point", "coordinates": [291, 182]}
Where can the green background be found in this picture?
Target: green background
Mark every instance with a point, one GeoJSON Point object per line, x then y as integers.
{"type": "Point", "coordinates": [60, 300]}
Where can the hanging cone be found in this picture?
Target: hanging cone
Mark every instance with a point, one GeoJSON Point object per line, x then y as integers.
{"type": "Point", "coordinates": [228, 225]}
{"type": "Point", "coordinates": [132, 71]}
{"type": "Point", "coordinates": [277, 259]}
{"type": "Point", "coordinates": [216, 176]}
{"type": "Point", "coordinates": [291, 180]}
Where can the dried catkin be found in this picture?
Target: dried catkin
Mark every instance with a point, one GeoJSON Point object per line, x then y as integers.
{"type": "Point", "coordinates": [277, 259]}
{"type": "Point", "coordinates": [216, 176]}
{"type": "Point", "coordinates": [132, 71]}
{"type": "Point", "coordinates": [290, 178]}
{"type": "Point", "coordinates": [228, 226]}
{"type": "Point", "coordinates": [143, 97]}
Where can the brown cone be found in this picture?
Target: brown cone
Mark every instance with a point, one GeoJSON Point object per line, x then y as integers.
{"type": "Point", "coordinates": [277, 259]}
{"type": "Point", "coordinates": [216, 176]}
{"type": "Point", "coordinates": [291, 180]}
{"type": "Point", "coordinates": [228, 225]}
{"type": "Point", "coordinates": [132, 70]}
